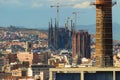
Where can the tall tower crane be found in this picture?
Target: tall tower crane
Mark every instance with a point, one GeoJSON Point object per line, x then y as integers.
{"type": "Point", "coordinates": [75, 19]}
{"type": "Point", "coordinates": [57, 6]}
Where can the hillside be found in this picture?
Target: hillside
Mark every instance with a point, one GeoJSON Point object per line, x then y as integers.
{"type": "Point", "coordinates": [41, 33]}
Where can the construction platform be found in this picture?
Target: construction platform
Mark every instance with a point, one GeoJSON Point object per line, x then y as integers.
{"type": "Point", "coordinates": [85, 73]}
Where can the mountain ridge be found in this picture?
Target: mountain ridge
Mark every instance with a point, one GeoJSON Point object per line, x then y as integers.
{"type": "Point", "coordinates": [92, 29]}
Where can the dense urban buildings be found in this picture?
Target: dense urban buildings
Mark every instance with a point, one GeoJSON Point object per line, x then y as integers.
{"type": "Point", "coordinates": [62, 53]}
{"type": "Point", "coordinates": [18, 50]}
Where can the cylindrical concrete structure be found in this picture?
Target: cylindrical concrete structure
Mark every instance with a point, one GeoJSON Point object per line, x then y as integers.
{"type": "Point", "coordinates": [104, 51]}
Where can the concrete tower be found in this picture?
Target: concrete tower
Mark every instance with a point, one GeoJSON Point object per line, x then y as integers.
{"type": "Point", "coordinates": [104, 51]}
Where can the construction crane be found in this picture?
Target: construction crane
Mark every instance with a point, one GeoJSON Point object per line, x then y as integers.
{"type": "Point", "coordinates": [57, 6]}
{"type": "Point", "coordinates": [75, 19]}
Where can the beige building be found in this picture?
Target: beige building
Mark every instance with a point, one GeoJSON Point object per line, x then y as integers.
{"type": "Point", "coordinates": [33, 58]}
{"type": "Point", "coordinates": [25, 56]}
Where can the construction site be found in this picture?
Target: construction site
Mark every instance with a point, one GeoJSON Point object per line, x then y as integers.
{"type": "Point", "coordinates": [103, 69]}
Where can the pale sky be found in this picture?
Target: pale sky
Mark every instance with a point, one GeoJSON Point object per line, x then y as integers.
{"type": "Point", "coordinates": [37, 13]}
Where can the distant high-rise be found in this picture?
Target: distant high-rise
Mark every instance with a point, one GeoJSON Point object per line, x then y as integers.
{"type": "Point", "coordinates": [81, 44]}
{"type": "Point", "coordinates": [104, 33]}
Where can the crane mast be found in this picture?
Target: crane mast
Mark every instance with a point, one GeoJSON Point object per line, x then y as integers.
{"type": "Point", "coordinates": [57, 6]}
{"type": "Point", "coordinates": [75, 20]}
{"type": "Point", "coordinates": [57, 10]}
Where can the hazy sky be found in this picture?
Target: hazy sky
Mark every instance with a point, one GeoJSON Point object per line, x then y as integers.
{"type": "Point", "coordinates": [37, 13]}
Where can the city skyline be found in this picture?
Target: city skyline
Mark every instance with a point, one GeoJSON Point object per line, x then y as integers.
{"type": "Point", "coordinates": [37, 13]}
{"type": "Point", "coordinates": [59, 40]}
